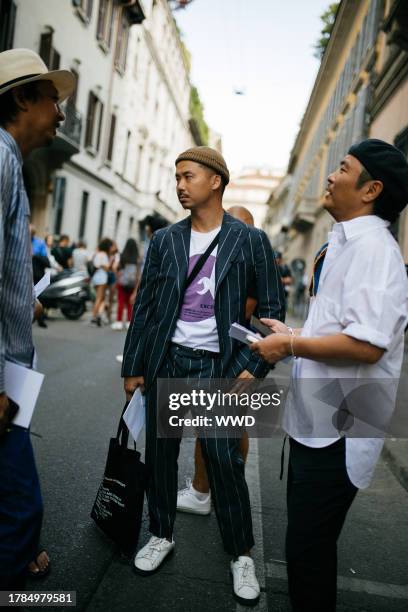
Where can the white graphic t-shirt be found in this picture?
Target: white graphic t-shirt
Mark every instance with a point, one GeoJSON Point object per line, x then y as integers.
{"type": "Point", "coordinates": [196, 326]}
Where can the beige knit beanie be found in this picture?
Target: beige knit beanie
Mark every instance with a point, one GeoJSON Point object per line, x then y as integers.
{"type": "Point", "coordinates": [208, 157]}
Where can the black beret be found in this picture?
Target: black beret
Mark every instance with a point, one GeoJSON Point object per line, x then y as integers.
{"type": "Point", "coordinates": [387, 164]}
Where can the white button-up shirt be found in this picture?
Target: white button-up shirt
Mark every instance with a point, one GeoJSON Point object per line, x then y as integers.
{"type": "Point", "coordinates": [363, 293]}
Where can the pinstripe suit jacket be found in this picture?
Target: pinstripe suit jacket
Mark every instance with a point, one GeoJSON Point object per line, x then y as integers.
{"type": "Point", "coordinates": [244, 259]}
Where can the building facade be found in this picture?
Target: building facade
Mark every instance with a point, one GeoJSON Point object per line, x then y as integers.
{"type": "Point", "coordinates": [388, 109]}
{"type": "Point", "coordinates": [361, 90]}
{"type": "Point", "coordinates": [113, 160]}
{"type": "Point", "coordinates": [251, 189]}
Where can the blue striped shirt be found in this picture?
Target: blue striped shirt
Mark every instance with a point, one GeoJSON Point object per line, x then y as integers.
{"type": "Point", "coordinates": [16, 275]}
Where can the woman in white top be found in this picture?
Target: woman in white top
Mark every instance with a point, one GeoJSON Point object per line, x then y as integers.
{"type": "Point", "coordinates": [100, 278]}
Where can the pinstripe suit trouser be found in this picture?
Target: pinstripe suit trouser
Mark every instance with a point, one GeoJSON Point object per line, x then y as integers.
{"type": "Point", "coordinates": [225, 465]}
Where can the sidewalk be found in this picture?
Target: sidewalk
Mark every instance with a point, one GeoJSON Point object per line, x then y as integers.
{"type": "Point", "coordinates": [395, 451]}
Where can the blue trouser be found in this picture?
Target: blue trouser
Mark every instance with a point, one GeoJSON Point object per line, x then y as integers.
{"type": "Point", "coordinates": [21, 507]}
{"type": "Point", "coordinates": [224, 462]}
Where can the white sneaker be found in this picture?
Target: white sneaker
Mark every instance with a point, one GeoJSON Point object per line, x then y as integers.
{"type": "Point", "coordinates": [117, 326]}
{"type": "Point", "coordinates": [187, 500]}
{"type": "Point", "coordinates": [150, 557]}
{"type": "Point", "coordinates": [245, 585]}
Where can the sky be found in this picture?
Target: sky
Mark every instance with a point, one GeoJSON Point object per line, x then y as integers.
{"type": "Point", "coordinates": [261, 47]}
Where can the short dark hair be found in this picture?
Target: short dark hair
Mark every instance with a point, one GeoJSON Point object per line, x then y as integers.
{"type": "Point", "coordinates": [63, 237]}
{"type": "Point", "coordinates": [364, 177]}
{"type": "Point", "coordinates": [382, 207]}
{"type": "Point", "coordinates": [214, 172]}
{"type": "Point", "coordinates": [9, 109]}
{"type": "Point", "coordinates": [105, 244]}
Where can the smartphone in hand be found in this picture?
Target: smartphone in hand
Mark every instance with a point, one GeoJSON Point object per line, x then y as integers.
{"type": "Point", "coordinates": [263, 329]}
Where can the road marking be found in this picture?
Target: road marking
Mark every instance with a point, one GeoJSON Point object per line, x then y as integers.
{"type": "Point", "coordinates": [254, 486]}
{"type": "Point", "coordinates": [277, 570]}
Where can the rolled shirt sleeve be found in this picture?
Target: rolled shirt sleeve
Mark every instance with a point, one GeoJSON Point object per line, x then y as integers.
{"type": "Point", "coordinates": [375, 301]}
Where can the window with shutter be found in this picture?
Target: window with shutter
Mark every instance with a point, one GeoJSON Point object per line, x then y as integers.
{"type": "Point", "coordinates": [99, 108]}
{"type": "Point", "coordinates": [83, 9]}
{"type": "Point", "coordinates": [111, 138]}
{"type": "Point", "coordinates": [105, 23]}
{"type": "Point", "coordinates": [101, 19]}
{"type": "Point", "coordinates": [89, 9]}
{"type": "Point", "coordinates": [93, 124]}
{"type": "Point", "coordinates": [83, 215]}
{"type": "Point", "coordinates": [90, 119]}
{"type": "Point", "coordinates": [122, 43]}
{"type": "Point", "coordinates": [55, 60]}
{"type": "Point", "coordinates": [46, 48]}
{"type": "Point", "coordinates": [7, 22]}
{"type": "Point", "coordinates": [73, 97]}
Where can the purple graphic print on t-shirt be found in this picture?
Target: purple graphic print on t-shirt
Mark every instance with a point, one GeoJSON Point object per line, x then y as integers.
{"type": "Point", "coordinates": [198, 301]}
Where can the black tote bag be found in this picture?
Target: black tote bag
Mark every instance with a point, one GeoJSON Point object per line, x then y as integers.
{"type": "Point", "coordinates": [118, 506]}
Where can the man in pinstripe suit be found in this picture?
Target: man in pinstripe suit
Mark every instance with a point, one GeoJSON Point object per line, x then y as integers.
{"type": "Point", "coordinates": [177, 333]}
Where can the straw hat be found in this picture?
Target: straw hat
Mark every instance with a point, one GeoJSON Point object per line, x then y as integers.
{"type": "Point", "coordinates": [20, 66]}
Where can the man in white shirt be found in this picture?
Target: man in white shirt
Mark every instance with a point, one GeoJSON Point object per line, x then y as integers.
{"type": "Point", "coordinates": [353, 335]}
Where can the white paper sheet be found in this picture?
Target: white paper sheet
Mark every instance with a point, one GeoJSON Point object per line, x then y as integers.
{"type": "Point", "coordinates": [23, 386]}
{"type": "Point", "coordinates": [42, 284]}
{"type": "Point", "coordinates": [135, 414]}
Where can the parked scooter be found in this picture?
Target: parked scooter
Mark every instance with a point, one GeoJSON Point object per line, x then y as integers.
{"type": "Point", "coordinates": [69, 290]}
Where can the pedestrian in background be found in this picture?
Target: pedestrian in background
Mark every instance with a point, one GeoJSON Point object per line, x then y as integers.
{"type": "Point", "coordinates": [40, 263]}
{"type": "Point", "coordinates": [29, 116]}
{"type": "Point", "coordinates": [80, 257]}
{"type": "Point", "coordinates": [114, 258]}
{"type": "Point", "coordinates": [286, 274]}
{"type": "Point", "coordinates": [54, 265]}
{"type": "Point", "coordinates": [63, 252]}
{"type": "Point", "coordinates": [127, 279]}
{"type": "Point", "coordinates": [101, 264]}
{"type": "Point", "coordinates": [354, 332]}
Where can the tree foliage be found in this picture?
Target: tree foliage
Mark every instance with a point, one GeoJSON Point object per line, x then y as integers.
{"type": "Point", "coordinates": [328, 18]}
{"type": "Point", "coordinates": [196, 106]}
{"type": "Point", "coordinates": [197, 113]}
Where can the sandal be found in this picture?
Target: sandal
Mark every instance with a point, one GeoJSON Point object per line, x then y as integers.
{"type": "Point", "coordinates": [41, 573]}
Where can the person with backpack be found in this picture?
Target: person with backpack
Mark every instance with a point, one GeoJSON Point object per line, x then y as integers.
{"type": "Point", "coordinates": [127, 278]}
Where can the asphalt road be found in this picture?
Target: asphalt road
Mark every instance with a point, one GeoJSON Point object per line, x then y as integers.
{"type": "Point", "coordinates": [78, 412]}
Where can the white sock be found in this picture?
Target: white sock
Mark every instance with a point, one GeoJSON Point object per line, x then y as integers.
{"type": "Point", "coordinates": [199, 496]}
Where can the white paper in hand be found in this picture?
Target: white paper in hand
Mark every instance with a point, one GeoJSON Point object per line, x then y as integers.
{"type": "Point", "coordinates": [23, 386]}
{"type": "Point", "coordinates": [42, 284]}
{"type": "Point", "coordinates": [135, 414]}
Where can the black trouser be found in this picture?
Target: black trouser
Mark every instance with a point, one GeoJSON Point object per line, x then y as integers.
{"type": "Point", "coordinates": [225, 466]}
{"type": "Point", "coordinates": [319, 494]}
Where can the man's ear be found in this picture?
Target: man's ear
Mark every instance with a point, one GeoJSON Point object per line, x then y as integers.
{"type": "Point", "coordinates": [19, 98]}
{"type": "Point", "coordinates": [373, 190]}
{"type": "Point", "coordinates": [216, 182]}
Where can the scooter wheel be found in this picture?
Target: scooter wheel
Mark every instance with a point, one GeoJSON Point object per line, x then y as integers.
{"type": "Point", "coordinates": [73, 312]}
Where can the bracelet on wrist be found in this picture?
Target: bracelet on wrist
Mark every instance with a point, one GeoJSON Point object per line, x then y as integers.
{"type": "Point", "coordinates": [292, 340]}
